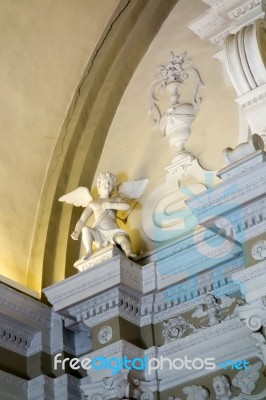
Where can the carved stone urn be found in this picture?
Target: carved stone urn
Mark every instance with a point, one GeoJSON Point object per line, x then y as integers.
{"type": "Point", "coordinates": [176, 124]}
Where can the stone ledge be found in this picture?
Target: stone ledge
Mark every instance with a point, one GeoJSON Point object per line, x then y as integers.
{"type": "Point", "coordinates": [100, 277]}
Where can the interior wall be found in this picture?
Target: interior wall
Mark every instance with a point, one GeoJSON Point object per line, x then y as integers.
{"type": "Point", "coordinates": [83, 134]}
{"type": "Point", "coordinates": [45, 46]}
{"type": "Point", "coordinates": [136, 150]}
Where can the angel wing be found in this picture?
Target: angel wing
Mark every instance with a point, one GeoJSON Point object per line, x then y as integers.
{"type": "Point", "coordinates": [133, 189]}
{"type": "Point", "coordinates": [79, 197]}
{"type": "Point", "coordinates": [199, 312]}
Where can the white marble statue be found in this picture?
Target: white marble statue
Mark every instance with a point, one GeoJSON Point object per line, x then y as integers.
{"type": "Point", "coordinates": [261, 345]}
{"type": "Point", "coordinates": [247, 379]}
{"type": "Point", "coordinates": [196, 392]}
{"type": "Point", "coordinates": [212, 310]}
{"type": "Point", "coordinates": [222, 387]}
{"type": "Point", "coordinates": [105, 229]}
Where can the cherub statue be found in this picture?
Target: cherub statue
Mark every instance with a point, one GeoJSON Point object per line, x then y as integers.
{"type": "Point", "coordinates": [247, 379]}
{"type": "Point", "coordinates": [196, 392]}
{"type": "Point", "coordinates": [222, 387]}
{"type": "Point", "coordinates": [212, 310]}
{"type": "Point", "coordinates": [105, 229]}
{"type": "Point", "coordinates": [261, 345]}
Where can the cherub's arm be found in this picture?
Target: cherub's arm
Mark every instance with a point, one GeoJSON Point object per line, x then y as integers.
{"type": "Point", "coordinates": [118, 205]}
{"type": "Point", "coordinates": [81, 222]}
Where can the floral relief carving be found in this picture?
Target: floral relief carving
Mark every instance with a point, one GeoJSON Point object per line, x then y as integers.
{"type": "Point", "coordinates": [175, 328]}
{"type": "Point", "coordinates": [176, 120]}
{"type": "Point", "coordinates": [258, 250]}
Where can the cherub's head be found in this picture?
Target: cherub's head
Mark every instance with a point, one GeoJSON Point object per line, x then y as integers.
{"type": "Point", "coordinates": [222, 387]}
{"type": "Point", "coordinates": [195, 392]}
{"type": "Point", "coordinates": [209, 299]}
{"type": "Point", "coordinates": [106, 184]}
{"type": "Point", "coordinates": [135, 381]}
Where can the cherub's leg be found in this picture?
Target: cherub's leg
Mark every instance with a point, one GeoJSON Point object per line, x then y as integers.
{"type": "Point", "coordinates": [125, 244]}
{"type": "Point", "coordinates": [87, 239]}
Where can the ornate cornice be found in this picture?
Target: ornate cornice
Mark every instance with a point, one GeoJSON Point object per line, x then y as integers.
{"type": "Point", "coordinates": [234, 194]}
{"type": "Point", "coordinates": [97, 309]}
{"type": "Point", "coordinates": [142, 309]}
{"type": "Point", "coordinates": [178, 299]}
{"type": "Point", "coordinates": [19, 337]}
{"type": "Point", "coordinates": [42, 387]}
{"type": "Point", "coordinates": [97, 279]}
{"type": "Point", "coordinates": [252, 281]}
{"type": "Point", "coordinates": [32, 326]}
{"type": "Point", "coordinates": [225, 17]}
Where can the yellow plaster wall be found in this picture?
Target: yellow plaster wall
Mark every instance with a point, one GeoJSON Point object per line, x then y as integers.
{"type": "Point", "coordinates": [135, 150]}
{"type": "Point", "coordinates": [45, 46]}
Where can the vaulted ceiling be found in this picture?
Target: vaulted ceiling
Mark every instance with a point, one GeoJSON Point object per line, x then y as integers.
{"type": "Point", "coordinates": [75, 83]}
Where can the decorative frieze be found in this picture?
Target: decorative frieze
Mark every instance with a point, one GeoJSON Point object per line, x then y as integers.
{"type": "Point", "coordinates": [248, 12]}
{"type": "Point", "coordinates": [188, 294]}
{"type": "Point", "coordinates": [226, 341]}
{"type": "Point", "coordinates": [204, 255]}
{"type": "Point", "coordinates": [19, 337]}
{"type": "Point", "coordinates": [96, 309]}
{"type": "Point", "coordinates": [135, 308]}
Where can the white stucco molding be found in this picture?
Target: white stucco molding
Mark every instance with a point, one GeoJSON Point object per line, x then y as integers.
{"type": "Point", "coordinates": [25, 314]}
{"type": "Point", "coordinates": [18, 337]}
{"type": "Point", "coordinates": [236, 207]}
{"type": "Point", "coordinates": [182, 274]}
{"type": "Point", "coordinates": [101, 277]}
{"type": "Point", "coordinates": [42, 387]}
{"type": "Point", "coordinates": [225, 17]}
{"type": "Point", "coordinates": [228, 340]}
{"type": "Point", "coordinates": [252, 281]}
{"type": "Point", "coordinates": [253, 106]}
